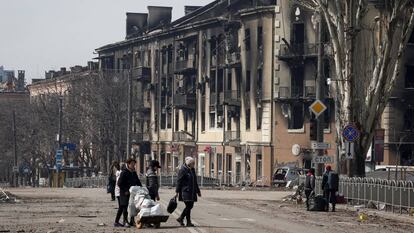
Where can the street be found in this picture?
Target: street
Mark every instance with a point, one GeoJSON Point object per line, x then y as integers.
{"type": "Point", "coordinates": [90, 210]}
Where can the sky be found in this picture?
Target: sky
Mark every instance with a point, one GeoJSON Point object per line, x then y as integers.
{"type": "Point", "coordinates": [41, 35]}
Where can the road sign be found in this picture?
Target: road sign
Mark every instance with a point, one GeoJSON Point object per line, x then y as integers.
{"type": "Point", "coordinates": [15, 169]}
{"type": "Point", "coordinates": [69, 146]}
{"type": "Point", "coordinates": [323, 159]}
{"type": "Point", "coordinates": [320, 145]}
{"type": "Point", "coordinates": [350, 133]}
{"type": "Point", "coordinates": [349, 150]}
{"type": "Point", "coordinates": [59, 155]}
{"type": "Point", "coordinates": [318, 107]}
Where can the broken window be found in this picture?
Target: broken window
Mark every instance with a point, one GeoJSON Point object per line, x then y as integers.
{"type": "Point", "coordinates": [212, 120]}
{"type": "Point", "coordinates": [228, 121]}
{"type": "Point", "coordinates": [409, 77]}
{"type": "Point", "coordinates": [411, 40]}
{"type": "Point", "coordinates": [220, 119]}
{"type": "Point", "coordinates": [203, 121]}
{"type": "Point", "coordinates": [229, 81]}
{"type": "Point", "coordinates": [247, 39]}
{"type": "Point", "coordinates": [248, 78]}
{"type": "Point", "coordinates": [408, 118]}
{"type": "Point", "coordinates": [259, 37]}
{"type": "Point", "coordinates": [248, 119]}
{"type": "Point", "coordinates": [177, 120]}
{"type": "Point", "coordinates": [296, 116]}
{"type": "Point", "coordinates": [259, 166]}
{"type": "Point", "coordinates": [163, 120]}
{"type": "Point", "coordinates": [259, 118]}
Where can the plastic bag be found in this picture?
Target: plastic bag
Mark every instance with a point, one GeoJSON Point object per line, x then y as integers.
{"type": "Point", "coordinates": [144, 212]}
{"type": "Point", "coordinates": [156, 210]}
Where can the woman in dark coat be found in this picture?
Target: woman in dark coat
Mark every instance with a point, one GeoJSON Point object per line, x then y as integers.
{"type": "Point", "coordinates": [187, 189]}
{"type": "Point", "coordinates": [127, 179]}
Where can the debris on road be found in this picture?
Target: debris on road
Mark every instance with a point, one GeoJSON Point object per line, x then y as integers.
{"type": "Point", "coordinates": [7, 197]}
{"type": "Point", "coordinates": [87, 216]}
{"type": "Point", "coordinates": [61, 221]}
{"type": "Point", "coordinates": [101, 224]}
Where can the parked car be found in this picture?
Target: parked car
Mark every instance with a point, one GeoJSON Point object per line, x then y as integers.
{"type": "Point", "coordinates": [283, 175]}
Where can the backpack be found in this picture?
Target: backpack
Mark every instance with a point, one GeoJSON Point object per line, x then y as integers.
{"type": "Point", "coordinates": [333, 181]}
{"type": "Point", "coordinates": [317, 203]}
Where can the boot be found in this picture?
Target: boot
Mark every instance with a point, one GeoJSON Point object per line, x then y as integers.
{"type": "Point", "coordinates": [180, 221]}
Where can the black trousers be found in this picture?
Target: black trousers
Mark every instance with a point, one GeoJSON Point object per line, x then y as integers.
{"type": "Point", "coordinates": [330, 196]}
{"type": "Point", "coordinates": [307, 194]}
{"type": "Point", "coordinates": [113, 195]}
{"type": "Point", "coordinates": [122, 209]}
{"type": "Point", "coordinates": [187, 211]}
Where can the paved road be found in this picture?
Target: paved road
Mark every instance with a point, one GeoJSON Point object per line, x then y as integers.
{"type": "Point", "coordinates": [83, 210]}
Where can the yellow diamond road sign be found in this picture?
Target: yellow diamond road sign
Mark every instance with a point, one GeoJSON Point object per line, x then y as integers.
{"type": "Point", "coordinates": [318, 107]}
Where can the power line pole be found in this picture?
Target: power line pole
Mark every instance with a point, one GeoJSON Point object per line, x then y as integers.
{"type": "Point", "coordinates": [320, 92]}
{"type": "Point", "coordinates": [15, 179]}
{"type": "Point", "coordinates": [129, 115]}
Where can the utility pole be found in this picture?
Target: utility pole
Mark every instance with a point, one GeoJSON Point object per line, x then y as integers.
{"type": "Point", "coordinates": [129, 115]}
{"type": "Point", "coordinates": [59, 135]}
{"type": "Point", "coordinates": [320, 92]}
{"type": "Point", "coordinates": [15, 180]}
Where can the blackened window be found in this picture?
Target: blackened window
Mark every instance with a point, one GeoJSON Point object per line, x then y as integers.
{"type": "Point", "coordinates": [327, 115]}
{"type": "Point", "coordinates": [296, 116]}
{"type": "Point", "coordinates": [408, 119]}
{"type": "Point", "coordinates": [259, 80]}
{"type": "Point", "coordinates": [247, 39]}
{"type": "Point", "coordinates": [212, 120]}
{"type": "Point", "coordinates": [259, 37]}
{"type": "Point", "coordinates": [219, 119]}
{"type": "Point", "coordinates": [203, 121]}
{"type": "Point", "coordinates": [229, 81]}
{"type": "Point", "coordinates": [259, 114]}
{"type": "Point", "coordinates": [248, 119]}
{"type": "Point", "coordinates": [163, 120]}
{"type": "Point", "coordinates": [248, 78]}
{"type": "Point", "coordinates": [212, 81]}
{"type": "Point", "coordinates": [228, 122]}
{"type": "Point", "coordinates": [220, 81]}
{"type": "Point", "coordinates": [409, 77]}
{"type": "Point", "coordinates": [177, 120]}
{"type": "Point", "coordinates": [170, 54]}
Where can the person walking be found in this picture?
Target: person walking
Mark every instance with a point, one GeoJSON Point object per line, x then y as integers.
{"type": "Point", "coordinates": [127, 178]}
{"type": "Point", "coordinates": [117, 194]}
{"type": "Point", "coordinates": [152, 180]}
{"type": "Point", "coordinates": [187, 190]}
{"type": "Point", "coordinates": [112, 179]}
{"type": "Point", "coordinates": [309, 185]}
{"type": "Point", "coordinates": [330, 184]}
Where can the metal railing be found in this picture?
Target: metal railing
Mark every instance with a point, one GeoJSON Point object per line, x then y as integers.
{"type": "Point", "coordinates": [231, 136]}
{"type": "Point", "coordinates": [182, 137]}
{"type": "Point", "coordinates": [391, 194]}
{"type": "Point", "coordinates": [185, 100]}
{"type": "Point", "coordinates": [183, 65]}
{"type": "Point", "coordinates": [142, 73]}
{"type": "Point", "coordinates": [232, 97]}
{"type": "Point", "coordinates": [86, 182]}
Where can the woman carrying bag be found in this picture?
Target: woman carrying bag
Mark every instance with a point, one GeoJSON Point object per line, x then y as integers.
{"type": "Point", "coordinates": [187, 190]}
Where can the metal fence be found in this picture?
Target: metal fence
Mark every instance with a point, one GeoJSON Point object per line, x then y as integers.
{"type": "Point", "coordinates": [391, 194]}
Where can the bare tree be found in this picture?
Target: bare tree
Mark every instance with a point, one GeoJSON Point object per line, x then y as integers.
{"type": "Point", "coordinates": [368, 51]}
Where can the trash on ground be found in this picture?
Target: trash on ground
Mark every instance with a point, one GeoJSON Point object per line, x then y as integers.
{"type": "Point", "coordinates": [61, 220]}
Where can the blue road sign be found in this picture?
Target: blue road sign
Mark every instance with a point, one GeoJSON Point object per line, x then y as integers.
{"type": "Point", "coordinates": [59, 155]}
{"type": "Point", "coordinates": [350, 133]}
{"type": "Point", "coordinates": [69, 146]}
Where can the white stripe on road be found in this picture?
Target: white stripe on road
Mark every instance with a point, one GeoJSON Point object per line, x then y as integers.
{"type": "Point", "coordinates": [190, 229]}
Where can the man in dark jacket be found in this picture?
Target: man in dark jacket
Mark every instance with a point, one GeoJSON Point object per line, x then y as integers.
{"type": "Point", "coordinates": [127, 179]}
{"type": "Point", "coordinates": [152, 180]}
{"type": "Point", "coordinates": [330, 182]}
{"type": "Point", "coordinates": [309, 185]}
{"type": "Point", "coordinates": [187, 189]}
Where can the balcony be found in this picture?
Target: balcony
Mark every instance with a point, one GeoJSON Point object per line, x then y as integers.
{"type": "Point", "coordinates": [295, 93]}
{"type": "Point", "coordinates": [230, 136]}
{"type": "Point", "coordinates": [142, 74]}
{"type": "Point", "coordinates": [187, 66]}
{"type": "Point", "coordinates": [298, 51]}
{"type": "Point", "coordinates": [185, 101]}
{"type": "Point", "coordinates": [234, 60]}
{"type": "Point", "coordinates": [141, 137]}
{"type": "Point", "coordinates": [232, 97]}
{"type": "Point", "coordinates": [182, 136]}
{"type": "Point", "coordinates": [213, 99]}
{"type": "Point", "coordinates": [310, 91]}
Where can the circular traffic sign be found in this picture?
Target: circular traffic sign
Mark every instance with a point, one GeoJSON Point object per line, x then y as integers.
{"type": "Point", "coordinates": [350, 133]}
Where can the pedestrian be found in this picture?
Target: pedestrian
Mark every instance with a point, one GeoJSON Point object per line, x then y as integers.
{"type": "Point", "coordinates": [112, 179]}
{"type": "Point", "coordinates": [152, 180]}
{"type": "Point", "coordinates": [187, 189]}
{"type": "Point", "coordinates": [117, 194]}
{"type": "Point", "coordinates": [309, 185]}
{"type": "Point", "coordinates": [127, 178]}
{"type": "Point", "coordinates": [330, 184]}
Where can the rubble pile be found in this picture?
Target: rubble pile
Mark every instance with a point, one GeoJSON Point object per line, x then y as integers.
{"type": "Point", "coordinates": [295, 197]}
{"type": "Point", "coordinates": [7, 197]}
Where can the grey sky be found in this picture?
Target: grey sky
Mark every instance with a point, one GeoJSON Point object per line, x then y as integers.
{"type": "Point", "coordinates": [39, 35]}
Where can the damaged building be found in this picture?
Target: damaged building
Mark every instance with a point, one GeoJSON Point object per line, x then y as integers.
{"type": "Point", "coordinates": [229, 83]}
